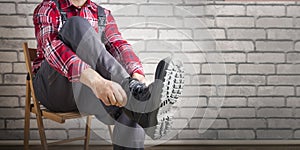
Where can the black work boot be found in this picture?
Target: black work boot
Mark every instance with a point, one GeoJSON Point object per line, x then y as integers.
{"type": "Point", "coordinates": [155, 114]}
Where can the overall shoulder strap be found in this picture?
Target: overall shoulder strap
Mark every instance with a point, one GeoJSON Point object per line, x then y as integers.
{"type": "Point", "coordinates": [63, 14]}
{"type": "Point", "coordinates": [101, 22]}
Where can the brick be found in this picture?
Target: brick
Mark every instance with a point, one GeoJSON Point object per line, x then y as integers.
{"type": "Point", "coordinates": [274, 134]}
{"type": "Point", "coordinates": [298, 91]}
{"type": "Point", "coordinates": [189, 11]}
{"type": "Point", "coordinates": [283, 34]}
{"type": "Point", "coordinates": [163, 46]}
{"type": "Point", "coordinates": [235, 22]}
{"type": "Point", "coordinates": [121, 10]}
{"type": "Point", "coordinates": [247, 123]}
{"type": "Point", "coordinates": [246, 80]}
{"type": "Point", "coordinates": [2, 124]}
{"type": "Point", "coordinates": [293, 10]}
{"type": "Point", "coordinates": [274, 112]}
{"type": "Point", "coordinates": [208, 80]}
{"type": "Point", "coordinates": [274, 22]}
{"type": "Point", "coordinates": [246, 34]}
{"type": "Point", "coordinates": [293, 57]}
{"type": "Point", "coordinates": [19, 68]}
{"type": "Point", "coordinates": [293, 101]}
{"type": "Point", "coordinates": [266, 101]}
{"type": "Point", "coordinates": [143, 34]}
{"type": "Point", "coordinates": [199, 91]}
{"type": "Point", "coordinates": [165, 1]}
{"type": "Point", "coordinates": [15, 78]}
{"type": "Point", "coordinates": [129, 1]}
{"type": "Point", "coordinates": [148, 57]}
{"type": "Point", "coordinates": [227, 101]}
{"type": "Point", "coordinates": [283, 123]}
{"type": "Point", "coordinates": [174, 22]}
{"type": "Point", "coordinates": [198, 112]}
{"type": "Point", "coordinates": [175, 34]}
{"type": "Point", "coordinates": [256, 69]}
{"type": "Point", "coordinates": [189, 57]}
{"type": "Point", "coordinates": [12, 90]}
{"type": "Point", "coordinates": [236, 90]}
{"type": "Point", "coordinates": [225, 57]}
{"type": "Point", "coordinates": [129, 22]}
{"type": "Point", "coordinates": [5, 67]}
{"type": "Point", "coordinates": [297, 134]}
{"type": "Point", "coordinates": [201, 34]}
{"type": "Point", "coordinates": [297, 22]}
{"type": "Point", "coordinates": [284, 80]}
{"type": "Point", "coordinates": [191, 68]}
{"type": "Point", "coordinates": [234, 46]}
{"type": "Point", "coordinates": [13, 21]}
{"type": "Point", "coordinates": [12, 113]}
{"type": "Point", "coordinates": [276, 91]}
{"type": "Point", "coordinates": [288, 69]}
{"type": "Point", "coordinates": [180, 123]}
{"type": "Point", "coordinates": [26, 8]}
{"type": "Point", "coordinates": [208, 123]}
{"type": "Point", "coordinates": [240, 112]}
{"type": "Point", "coordinates": [194, 134]}
{"type": "Point", "coordinates": [297, 46]}
{"type": "Point", "coordinates": [8, 56]}
{"type": "Point", "coordinates": [11, 134]}
{"type": "Point", "coordinates": [198, 22]}
{"type": "Point", "coordinates": [193, 102]}
{"type": "Point", "coordinates": [234, 10]}
{"type": "Point", "coordinates": [156, 10]}
{"type": "Point", "coordinates": [56, 134]}
{"type": "Point", "coordinates": [265, 10]}
{"type": "Point", "coordinates": [8, 8]}
{"type": "Point", "coordinates": [9, 101]}
{"type": "Point", "coordinates": [17, 33]}
{"type": "Point", "coordinates": [12, 44]}
{"type": "Point", "coordinates": [266, 57]}
{"type": "Point", "coordinates": [274, 46]}
{"type": "Point", "coordinates": [236, 134]}
{"type": "Point", "coordinates": [197, 46]}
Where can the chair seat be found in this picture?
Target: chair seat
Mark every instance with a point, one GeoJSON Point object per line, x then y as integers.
{"type": "Point", "coordinates": [58, 117]}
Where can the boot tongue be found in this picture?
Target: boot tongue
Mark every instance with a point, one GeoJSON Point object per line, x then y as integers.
{"type": "Point", "coordinates": [139, 90]}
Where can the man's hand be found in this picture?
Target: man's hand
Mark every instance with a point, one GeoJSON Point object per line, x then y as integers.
{"type": "Point", "coordinates": [141, 78]}
{"type": "Point", "coordinates": [111, 93]}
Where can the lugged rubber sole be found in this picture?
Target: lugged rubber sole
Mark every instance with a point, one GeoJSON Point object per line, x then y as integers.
{"type": "Point", "coordinates": [172, 86]}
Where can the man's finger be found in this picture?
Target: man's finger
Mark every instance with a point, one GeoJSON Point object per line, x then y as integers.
{"type": "Point", "coordinates": [106, 101]}
{"type": "Point", "coordinates": [124, 96]}
{"type": "Point", "coordinates": [118, 96]}
{"type": "Point", "coordinates": [112, 98]}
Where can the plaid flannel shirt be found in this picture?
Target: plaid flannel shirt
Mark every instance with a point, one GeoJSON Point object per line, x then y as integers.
{"type": "Point", "coordinates": [47, 22]}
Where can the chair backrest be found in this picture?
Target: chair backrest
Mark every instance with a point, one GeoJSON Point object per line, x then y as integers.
{"type": "Point", "coordinates": [30, 55]}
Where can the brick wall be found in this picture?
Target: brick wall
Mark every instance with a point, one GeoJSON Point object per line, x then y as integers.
{"type": "Point", "coordinates": [245, 84]}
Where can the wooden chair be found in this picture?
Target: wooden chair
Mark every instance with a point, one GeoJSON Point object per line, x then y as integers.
{"type": "Point", "coordinates": [34, 106]}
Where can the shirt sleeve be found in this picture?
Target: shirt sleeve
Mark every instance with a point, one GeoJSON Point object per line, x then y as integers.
{"type": "Point", "coordinates": [120, 48]}
{"type": "Point", "coordinates": [59, 56]}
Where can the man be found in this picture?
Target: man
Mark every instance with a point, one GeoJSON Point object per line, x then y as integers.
{"type": "Point", "coordinates": [75, 70]}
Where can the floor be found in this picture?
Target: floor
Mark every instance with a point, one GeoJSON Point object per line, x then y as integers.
{"type": "Point", "coordinates": [163, 148]}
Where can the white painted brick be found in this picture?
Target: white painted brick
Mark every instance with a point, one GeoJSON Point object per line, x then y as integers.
{"type": "Point", "coordinates": [194, 1]}
{"type": "Point", "coordinates": [286, 34]}
{"type": "Point", "coordinates": [13, 21]}
{"type": "Point", "coordinates": [274, 46]}
{"type": "Point", "coordinates": [194, 134]}
{"type": "Point", "coordinates": [256, 69]}
{"type": "Point", "coordinates": [236, 134]}
{"type": "Point", "coordinates": [246, 80]}
{"type": "Point", "coordinates": [128, 22]}
{"type": "Point", "coordinates": [246, 34]}
{"type": "Point", "coordinates": [169, 22]}
{"type": "Point", "coordinates": [298, 91]}
{"type": "Point", "coordinates": [208, 123]}
{"type": "Point", "coordinates": [165, 1]}
{"type": "Point", "coordinates": [190, 57]}
{"type": "Point", "coordinates": [161, 45]}
{"type": "Point", "coordinates": [175, 34]}
{"type": "Point", "coordinates": [5, 67]}
{"type": "Point", "coordinates": [17, 33]}
{"type": "Point", "coordinates": [15, 78]}
{"type": "Point", "coordinates": [148, 57]}
{"type": "Point", "coordinates": [283, 123]}
{"type": "Point", "coordinates": [8, 56]}
{"type": "Point", "coordinates": [274, 22]}
{"type": "Point", "coordinates": [293, 101]}
{"type": "Point", "coordinates": [180, 123]}
{"type": "Point", "coordinates": [9, 101]}
{"type": "Point", "coordinates": [297, 46]}
{"type": "Point", "coordinates": [140, 34]}
{"type": "Point", "coordinates": [199, 91]}
{"type": "Point", "coordinates": [266, 101]}
{"type": "Point", "coordinates": [12, 90]}
{"type": "Point", "coordinates": [266, 57]}
{"type": "Point", "coordinates": [189, 11]}
{"type": "Point", "coordinates": [208, 80]}
{"type": "Point", "coordinates": [274, 134]}
{"type": "Point", "coordinates": [234, 46]}
{"type": "Point", "coordinates": [284, 80]}
{"type": "Point", "coordinates": [274, 112]}
{"type": "Point", "coordinates": [199, 112]}
{"type": "Point", "coordinates": [129, 1]}
{"type": "Point", "coordinates": [227, 101]}
{"type": "Point", "coordinates": [236, 90]}
{"type": "Point", "coordinates": [198, 22]}
{"type": "Point", "coordinates": [8, 8]}
{"type": "Point", "coordinates": [225, 57]}
{"type": "Point", "coordinates": [202, 46]}
{"type": "Point", "coordinates": [240, 112]}
{"type": "Point", "coordinates": [156, 10]}
{"type": "Point", "coordinates": [56, 134]}
{"type": "Point", "coordinates": [192, 102]}
{"type": "Point", "coordinates": [122, 10]}
{"type": "Point", "coordinates": [225, 10]}
{"type": "Point", "coordinates": [26, 8]}
{"type": "Point", "coordinates": [297, 22]}
{"type": "Point", "coordinates": [247, 123]}
{"type": "Point", "coordinates": [265, 10]}
{"type": "Point", "coordinates": [235, 21]}
{"type": "Point", "coordinates": [293, 57]}
{"type": "Point", "coordinates": [12, 112]}
{"type": "Point", "coordinates": [293, 10]}
{"type": "Point", "coordinates": [297, 134]}
{"type": "Point", "coordinates": [288, 69]}
{"type": "Point", "coordinates": [276, 91]}
{"type": "Point", "coordinates": [192, 68]}
{"type": "Point", "coordinates": [19, 68]}
{"type": "Point", "coordinates": [201, 34]}
{"type": "Point", "coordinates": [218, 68]}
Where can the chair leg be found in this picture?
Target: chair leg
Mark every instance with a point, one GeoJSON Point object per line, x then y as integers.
{"type": "Point", "coordinates": [27, 118]}
{"type": "Point", "coordinates": [42, 132]}
{"type": "Point", "coordinates": [87, 132]}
